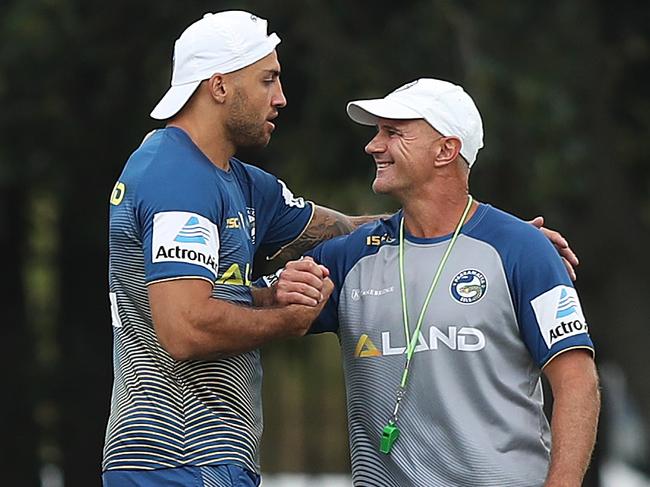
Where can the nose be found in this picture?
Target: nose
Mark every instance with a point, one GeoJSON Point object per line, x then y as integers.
{"type": "Point", "coordinates": [375, 146]}
{"type": "Point", "coordinates": [279, 100]}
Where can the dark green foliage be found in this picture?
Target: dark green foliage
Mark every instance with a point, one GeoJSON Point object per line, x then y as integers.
{"type": "Point", "coordinates": [563, 91]}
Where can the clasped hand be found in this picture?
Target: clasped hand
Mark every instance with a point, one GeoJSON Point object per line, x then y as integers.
{"type": "Point", "coordinates": [303, 282]}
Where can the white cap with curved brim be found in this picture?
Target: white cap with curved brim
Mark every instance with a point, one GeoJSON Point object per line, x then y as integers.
{"type": "Point", "coordinates": [222, 42]}
{"type": "Point", "coordinates": [445, 106]}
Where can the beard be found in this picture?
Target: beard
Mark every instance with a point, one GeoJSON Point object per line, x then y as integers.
{"type": "Point", "coordinates": [244, 126]}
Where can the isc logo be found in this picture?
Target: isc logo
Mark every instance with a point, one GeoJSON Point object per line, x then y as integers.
{"type": "Point", "coordinates": [232, 222]}
{"type": "Point", "coordinates": [376, 240]}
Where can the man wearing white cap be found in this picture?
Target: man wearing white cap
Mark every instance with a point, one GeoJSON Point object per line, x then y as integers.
{"type": "Point", "coordinates": [448, 312]}
{"type": "Point", "coordinates": [186, 220]}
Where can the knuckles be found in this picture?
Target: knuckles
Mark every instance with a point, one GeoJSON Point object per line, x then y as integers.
{"type": "Point", "coordinates": [303, 282]}
{"type": "Point", "coordinates": [305, 265]}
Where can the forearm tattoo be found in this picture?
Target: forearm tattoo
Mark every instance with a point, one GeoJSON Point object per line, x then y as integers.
{"type": "Point", "coordinates": [325, 224]}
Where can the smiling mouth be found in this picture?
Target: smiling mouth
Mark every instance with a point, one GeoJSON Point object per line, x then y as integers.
{"type": "Point", "coordinates": [382, 164]}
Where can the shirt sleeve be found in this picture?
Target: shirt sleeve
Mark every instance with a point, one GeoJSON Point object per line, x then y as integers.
{"type": "Point", "coordinates": [549, 312]}
{"type": "Point", "coordinates": [177, 217]}
{"type": "Point", "coordinates": [281, 217]}
{"type": "Point", "coordinates": [331, 254]}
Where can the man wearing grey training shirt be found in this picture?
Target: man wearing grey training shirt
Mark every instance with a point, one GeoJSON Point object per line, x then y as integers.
{"type": "Point", "coordinates": [448, 312]}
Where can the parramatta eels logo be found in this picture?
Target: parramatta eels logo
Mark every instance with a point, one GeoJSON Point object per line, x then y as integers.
{"type": "Point", "coordinates": [468, 286]}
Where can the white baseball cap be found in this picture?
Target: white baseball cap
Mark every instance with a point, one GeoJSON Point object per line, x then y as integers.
{"type": "Point", "coordinates": [445, 106]}
{"type": "Point", "coordinates": [222, 42]}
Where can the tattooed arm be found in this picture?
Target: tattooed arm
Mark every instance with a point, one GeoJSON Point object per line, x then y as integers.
{"type": "Point", "coordinates": [325, 224]}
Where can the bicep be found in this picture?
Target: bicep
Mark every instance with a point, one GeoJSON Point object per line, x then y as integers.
{"type": "Point", "coordinates": [173, 304]}
{"type": "Point", "coordinates": [571, 370]}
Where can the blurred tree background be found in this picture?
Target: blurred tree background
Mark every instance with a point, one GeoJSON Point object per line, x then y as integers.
{"type": "Point", "coordinates": [562, 86]}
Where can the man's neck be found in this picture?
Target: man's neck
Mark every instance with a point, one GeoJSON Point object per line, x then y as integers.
{"type": "Point", "coordinates": [210, 139]}
{"type": "Point", "coordinates": [436, 214]}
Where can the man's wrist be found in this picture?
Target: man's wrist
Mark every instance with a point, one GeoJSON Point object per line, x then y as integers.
{"type": "Point", "coordinates": [270, 280]}
{"type": "Point", "coordinates": [264, 296]}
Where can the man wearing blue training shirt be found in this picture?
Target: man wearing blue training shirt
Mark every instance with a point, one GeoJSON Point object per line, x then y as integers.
{"type": "Point", "coordinates": [186, 220]}
{"type": "Point", "coordinates": [448, 312]}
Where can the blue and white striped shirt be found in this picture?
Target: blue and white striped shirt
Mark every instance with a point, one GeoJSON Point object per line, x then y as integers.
{"type": "Point", "coordinates": [175, 215]}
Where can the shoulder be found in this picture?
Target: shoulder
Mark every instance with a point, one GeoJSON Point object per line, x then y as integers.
{"type": "Point", "coordinates": [365, 239]}
{"type": "Point", "coordinates": [251, 174]}
{"type": "Point", "coordinates": [250, 169]}
{"type": "Point", "coordinates": [167, 172]}
{"type": "Point", "coordinates": [497, 223]}
{"type": "Point", "coordinates": [531, 263]}
{"type": "Point", "coordinates": [510, 236]}
{"type": "Point", "coordinates": [168, 158]}
{"type": "Point", "coordinates": [345, 251]}
{"type": "Point", "coordinates": [267, 185]}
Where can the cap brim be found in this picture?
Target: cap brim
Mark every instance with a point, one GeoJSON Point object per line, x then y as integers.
{"type": "Point", "coordinates": [174, 100]}
{"type": "Point", "coordinates": [367, 112]}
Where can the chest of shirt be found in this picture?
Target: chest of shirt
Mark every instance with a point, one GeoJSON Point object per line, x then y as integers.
{"type": "Point", "coordinates": [236, 246]}
{"type": "Point", "coordinates": [469, 311]}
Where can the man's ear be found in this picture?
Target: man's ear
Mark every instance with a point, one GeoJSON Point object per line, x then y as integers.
{"type": "Point", "coordinates": [448, 152]}
{"type": "Point", "coordinates": [217, 87]}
